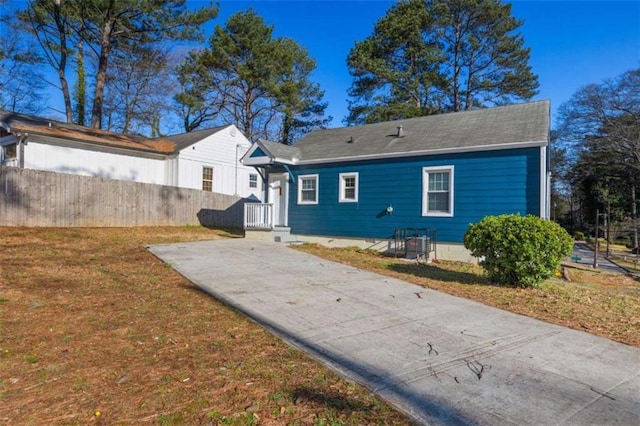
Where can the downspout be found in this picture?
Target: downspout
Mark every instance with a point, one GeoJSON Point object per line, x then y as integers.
{"type": "Point", "coordinates": [236, 164]}
{"type": "Point", "coordinates": [265, 193]}
{"type": "Point", "coordinates": [22, 137]}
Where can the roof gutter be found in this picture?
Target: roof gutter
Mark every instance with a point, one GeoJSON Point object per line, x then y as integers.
{"type": "Point", "coordinates": [457, 150]}
{"type": "Point", "coordinates": [132, 151]}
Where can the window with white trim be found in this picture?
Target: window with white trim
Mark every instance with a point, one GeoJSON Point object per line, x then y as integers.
{"type": "Point", "coordinates": [207, 178]}
{"type": "Point", "coordinates": [437, 191]}
{"type": "Point", "coordinates": [348, 188]}
{"type": "Point", "coordinates": [253, 180]}
{"type": "Point", "coordinates": [308, 189]}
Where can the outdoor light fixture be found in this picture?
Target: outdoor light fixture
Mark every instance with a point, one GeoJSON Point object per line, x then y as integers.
{"type": "Point", "coordinates": [389, 209]}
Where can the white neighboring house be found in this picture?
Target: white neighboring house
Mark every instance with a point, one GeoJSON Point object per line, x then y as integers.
{"type": "Point", "coordinates": [206, 159]}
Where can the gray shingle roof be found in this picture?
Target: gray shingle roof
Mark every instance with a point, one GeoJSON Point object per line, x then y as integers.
{"type": "Point", "coordinates": [480, 129]}
{"type": "Point", "coordinates": [184, 140]}
{"type": "Point", "coordinates": [280, 151]}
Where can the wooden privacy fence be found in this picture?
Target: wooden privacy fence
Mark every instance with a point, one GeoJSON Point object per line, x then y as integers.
{"type": "Point", "coordinates": [37, 198]}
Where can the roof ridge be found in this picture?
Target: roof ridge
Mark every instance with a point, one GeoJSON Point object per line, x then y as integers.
{"type": "Point", "coordinates": [448, 113]}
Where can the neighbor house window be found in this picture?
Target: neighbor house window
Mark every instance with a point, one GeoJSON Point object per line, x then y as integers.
{"type": "Point", "coordinates": [253, 181]}
{"type": "Point", "coordinates": [437, 191]}
{"type": "Point", "coordinates": [348, 187]}
{"type": "Point", "coordinates": [207, 179]}
{"type": "Point", "coordinates": [11, 151]}
{"type": "Point", "coordinates": [308, 189]}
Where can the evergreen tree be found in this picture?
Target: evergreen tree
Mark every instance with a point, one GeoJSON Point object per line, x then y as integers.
{"type": "Point", "coordinates": [247, 77]}
{"type": "Point", "coordinates": [431, 56]}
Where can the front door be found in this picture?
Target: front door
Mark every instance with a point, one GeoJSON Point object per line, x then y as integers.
{"type": "Point", "coordinates": [278, 196]}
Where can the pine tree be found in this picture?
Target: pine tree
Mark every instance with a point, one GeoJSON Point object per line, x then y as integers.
{"type": "Point", "coordinates": [248, 77]}
{"type": "Point", "coordinates": [432, 56]}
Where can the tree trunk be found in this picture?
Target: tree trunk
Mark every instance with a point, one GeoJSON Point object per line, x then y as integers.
{"type": "Point", "coordinates": [634, 215]}
{"type": "Point", "coordinates": [101, 77]}
{"type": "Point", "coordinates": [81, 93]}
{"type": "Point", "coordinates": [456, 69]}
{"type": "Point", "coordinates": [468, 102]}
{"type": "Point", "coordinates": [286, 128]}
{"type": "Point", "coordinates": [64, 85]}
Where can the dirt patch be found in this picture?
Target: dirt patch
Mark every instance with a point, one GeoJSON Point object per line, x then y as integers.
{"type": "Point", "coordinates": [95, 329]}
{"type": "Point", "coordinates": [600, 303]}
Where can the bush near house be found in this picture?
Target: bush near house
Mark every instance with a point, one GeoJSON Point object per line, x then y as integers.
{"type": "Point", "coordinates": [518, 250]}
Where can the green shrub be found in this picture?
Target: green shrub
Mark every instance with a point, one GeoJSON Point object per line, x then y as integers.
{"type": "Point", "coordinates": [578, 236]}
{"type": "Point", "coordinates": [517, 250]}
{"type": "Point", "coordinates": [624, 241]}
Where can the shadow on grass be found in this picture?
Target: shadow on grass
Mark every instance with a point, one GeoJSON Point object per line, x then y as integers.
{"type": "Point", "coordinates": [332, 401]}
{"type": "Point", "coordinates": [435, 272]}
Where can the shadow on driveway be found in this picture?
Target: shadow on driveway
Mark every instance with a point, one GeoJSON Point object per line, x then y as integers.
{"type": "Point", "coordinates": [438, 358]}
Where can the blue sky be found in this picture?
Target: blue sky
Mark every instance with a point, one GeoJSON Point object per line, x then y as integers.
{"type": "Point", "coordinates": [573, 43]}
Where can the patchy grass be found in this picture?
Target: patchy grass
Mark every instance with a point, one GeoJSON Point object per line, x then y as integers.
{"type": "Point", "coordinates": [600, 303]}
{"type": "Point", "coordinates": [95, 329]}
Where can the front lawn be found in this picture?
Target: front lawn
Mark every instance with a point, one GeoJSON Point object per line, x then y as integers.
{"type": "Point", "coordinates": [95, 329]}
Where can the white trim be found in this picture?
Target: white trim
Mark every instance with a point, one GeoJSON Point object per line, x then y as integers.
{"type": "Point", "coordinates": [247, 160]}
{"type": "Point", "coordinates": [9, 140]}
{"type": "Point", "coordinates": [457, 150]}
{"type": "Point", "coordinates": [96, 147]}
{"type": "Point", "coordinates": [285, 191]}
{"type": "Point", "coordinates": [544, 185]}
{"type": "Point", "coordinates": [263, 160]}
{"type": "Point", "coordinates": [269, 159]}
{"type": "Point", "coordinates": [203, 180]}
{"type": "Point", "coordinates": [258, 161]}
{"type": "Point", "coordinates": [280, 182]}
{"type": "Point", "coordinates": [425, 190]}
{"type": "Point", "coordinates": [341, 186]}
{"type": "Point", "coordinates": [253, 175]}
{"type": "Point", "coordinates": [317, 179]}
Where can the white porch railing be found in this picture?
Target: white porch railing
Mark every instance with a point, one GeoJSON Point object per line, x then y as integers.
{"type": "Point", "coordinates": [12, 162]}
{"type": "Point", "coordinates": [258, 216]}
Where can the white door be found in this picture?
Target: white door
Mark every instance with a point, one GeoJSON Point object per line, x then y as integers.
{"type": "Point", "coordinates": [278, 191]}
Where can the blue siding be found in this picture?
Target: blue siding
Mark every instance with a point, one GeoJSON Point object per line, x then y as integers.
{"type": "Point", "coordinates": [485, 183]}
{"type": "Point", "coordinates": [258, 153]}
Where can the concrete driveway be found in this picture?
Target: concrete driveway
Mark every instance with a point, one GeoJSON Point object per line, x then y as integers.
{"type": "Point", "coordinates": [584, 255]}
{"type": "Point", "coordinates": [438, 358]}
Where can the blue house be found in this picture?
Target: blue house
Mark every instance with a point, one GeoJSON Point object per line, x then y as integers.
{"type": "Point", "coordinates": [359, 185]}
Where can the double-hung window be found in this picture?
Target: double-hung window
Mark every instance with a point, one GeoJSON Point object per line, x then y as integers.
{"type": "Point", "coordinates": [308, 189]}
{"type": "Point", "coordinates": [207, 178]}
{"type": "Point", "coordinates": [348, 188]}
{"type": "Point", "coordinates": [253, 180]}
{"type": "Point", "coordinates": [437, 191]}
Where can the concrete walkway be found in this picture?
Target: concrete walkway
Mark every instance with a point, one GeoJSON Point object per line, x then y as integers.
{"type": "Point", "coordinates": [439, 358]}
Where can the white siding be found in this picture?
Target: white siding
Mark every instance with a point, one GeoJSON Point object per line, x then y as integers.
{"type": "Point", "coordinates": [221, 151]}
{"type": "Point", "coordinates": [54, 158]}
